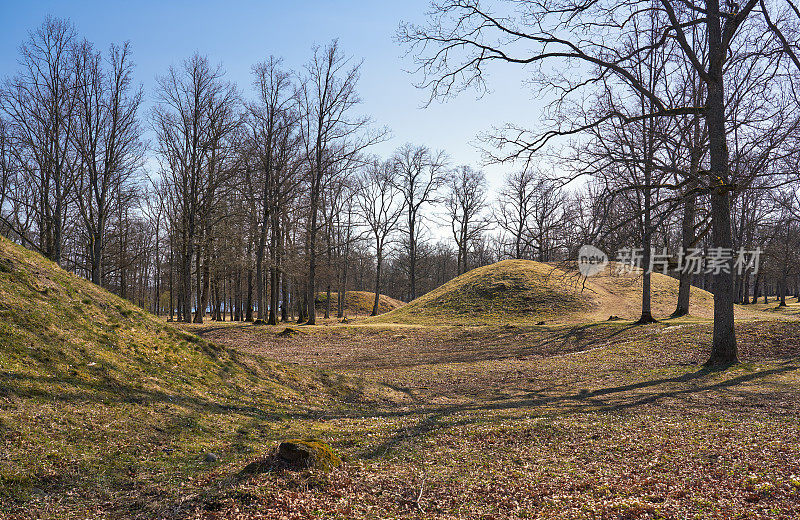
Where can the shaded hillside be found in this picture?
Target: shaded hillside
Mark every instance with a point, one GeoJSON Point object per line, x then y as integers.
{"type": "Point", "coordinates": [524, 291]}
{"type": "Point", "coordinates": [359, 303]}
{"type": "Point", "coordinates": [100, 390]}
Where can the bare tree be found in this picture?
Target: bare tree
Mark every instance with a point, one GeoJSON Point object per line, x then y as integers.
{"type": "Point", "coordinates": [272, 127]}
{"type": "Point", "coordinates": [330, 134]}
{"type": "Point", "coordinates": [194, 115]}
{"type": "Point", "coordinates": [465, 205]}
{"type": "Point", "coordinates": [464, 37]}
{"type": "Point", "coordinates": [7, 171]}
{"type": "Point", "coordinates": [107, 139]}
{"type": "Point", "coordinates": [420, 173]}
{"type": "Point", "coordinates": [40, 104]}
{"type": "Point", "coordinates": [514, 205]}
{"type": "Point", "coordinates": [528, 211]}
{"type": "Point", "coordinates": [344, 222]}
{"type": "Point", "coordinates": [379, 204]}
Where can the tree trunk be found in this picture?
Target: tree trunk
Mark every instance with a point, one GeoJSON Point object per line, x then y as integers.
{"type": "Point", "coordinates": [412, 261]}
{"type": "Point", "coordinates": [260, 279]}
{"type": "Point", "coordinates": [687, 241]}
{"type": "Point", "coordinates": [171, 287]}
{"type": "Point", "coordinates": [328, 302]}
{"type": "Point", "coordinates": [187, 280]}
{"type": "Point", "coordinates": [272, 318]}
{"type": "Point", "coordinates": [782, 293]}
{"type": "Point", "coordinates": [342, 294]}
{"type": "Point", "coordinates": [204, 280]}
{"type": "Point", "coordinates": [249, 303]}
{"type": "Point", "coordinates": [285, 298]}
{"type": "Point", "coordinates": [756, 288]}
{"type": "Point", "coordinates": [797, 287]}
{"type": "Point", "coordinates": [744, 297]}
{"type": "Point", "coordinates": [724, 350]}
{"type": "Point", "coordinates": [311, 286]}
{"type": "Point", "coordinates": [647, 315]}
{"type": "Point", "coordinates": [97, 258]}
{"type": "Point", "coordinates": [302, 308]}
{"type": "Point", "coordinates": [273, 272]}
{"type": "Point", "coordinates": [379, 261]}
{"type": "Point", "coordinates": [260, 251]}
{"type": "Point", "coordinates": [199, 311]}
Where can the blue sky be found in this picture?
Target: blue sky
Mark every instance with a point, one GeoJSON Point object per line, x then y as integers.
{"type": "Point", "coordinates": [240, 33]}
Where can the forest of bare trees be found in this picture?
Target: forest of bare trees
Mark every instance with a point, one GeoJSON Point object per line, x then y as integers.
{"type": "Point", "coordinates": [227, 202]}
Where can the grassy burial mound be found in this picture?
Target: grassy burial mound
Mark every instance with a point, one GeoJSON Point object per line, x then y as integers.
{"type": "Point", "coordinates": [523, 291]}
{"type": "Point", "coordinates": [97, 396]}
{"type": "Point", "coordinates": [507, 291]}
{"type": "Point", "coordinates": [358, 303]}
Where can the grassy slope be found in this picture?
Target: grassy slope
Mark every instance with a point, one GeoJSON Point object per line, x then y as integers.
{"type": "Point", "coordinates": [101, 391]}
{"type": "Point", "coordinates": [523, 291]}
{"type": "Point", "coordinates": [359, 303]}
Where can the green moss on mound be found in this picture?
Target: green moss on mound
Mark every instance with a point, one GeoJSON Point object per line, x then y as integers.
{"type": "Point", "coordinates": [94, 390]}
{"type": "Point", "coordinates": [508, 291]}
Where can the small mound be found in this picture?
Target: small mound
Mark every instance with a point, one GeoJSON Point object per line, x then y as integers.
{"type": "Point", "coordinates": [524, 291]}
{"type": "Point", "coordinates": [358, 303]}
{"type": "Point", "coordinates": [295, 454]}
{"type": "Point", "coordinates": [309, 453]}
{"type": "Point", "coordinates": [507, 291]}
{"type": "Point", "coordinates": [288, 332]}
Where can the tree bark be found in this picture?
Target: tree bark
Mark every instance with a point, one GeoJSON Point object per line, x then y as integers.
{"type": "Point", "coordinates": [723, 350]}
{"type": "Point", "coordinates": [379, 261]}
{"type": "Point", "coordinates": [687, 241]}
{"type": "Point", "coordinates": [412, 259]}
{"type": "Point", "coordinates": [187, 279]}
{"type": "Point", "coordinates": [647, 315]}
{"type": "Point", "coordinates": [311, 286]}
{"type": "Point", "coordinates": [249, 301]}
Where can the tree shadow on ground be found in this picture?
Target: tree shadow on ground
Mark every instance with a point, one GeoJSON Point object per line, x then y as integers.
{"type": "Point", "coordinates": [599, 400]}
{"type": "Point", "coordinates": [111, 391]}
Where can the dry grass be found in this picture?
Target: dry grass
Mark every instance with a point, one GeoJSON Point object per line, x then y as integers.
{"type": "Point", "coordinates": [107, 412]}
{"type": "Point", "coordinates": [100, 401]}
{"type": "Point", "coordinates": [790, 310]}
{"type": "Point", "coordinates": [604, 420]}
{"type": "Point", "coordinates": [506, 292]}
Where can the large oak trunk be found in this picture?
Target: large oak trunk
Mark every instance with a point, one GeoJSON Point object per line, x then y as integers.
{"type": "Point", "coordinates": [723, 349]}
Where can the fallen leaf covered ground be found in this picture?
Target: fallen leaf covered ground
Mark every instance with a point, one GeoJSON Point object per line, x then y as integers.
{"type": "Point", "coordinates": [606, 420]}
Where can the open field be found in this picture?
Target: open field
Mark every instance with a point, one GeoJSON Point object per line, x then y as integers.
{"type": "Point", "coordinates": [791, 309]}
{"type": "Point", "coordinates": [604, 420]}
{"type": "Point", "coordinates": [217, 161]}
{"type": "Point", "coordinates": [108, 412]}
